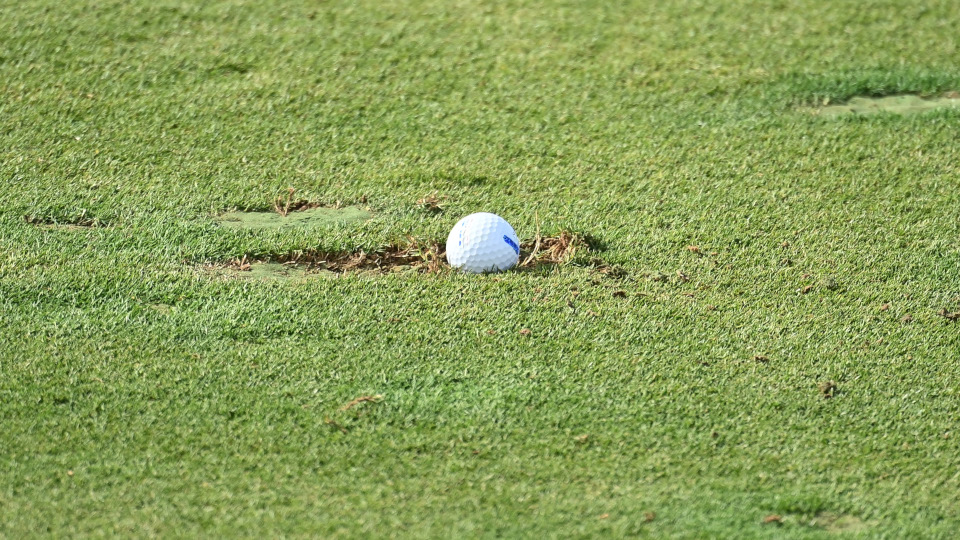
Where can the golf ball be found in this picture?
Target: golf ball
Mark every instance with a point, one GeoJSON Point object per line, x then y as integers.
{"type": "Point", "coordinates": [483, 242]}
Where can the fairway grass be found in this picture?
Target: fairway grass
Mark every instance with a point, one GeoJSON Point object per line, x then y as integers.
{"type": "Point", "coordinates": [756, 341]}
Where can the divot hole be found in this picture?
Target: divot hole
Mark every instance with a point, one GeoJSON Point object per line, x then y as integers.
{"type": "Point", "coordinates": [298, 214]}
{"type": "Point", "coordinates": [902, 105]}
{"type": "Point", "coordinates": [76, 223]}
{"type": "Point", "coordinates": [420, 257]}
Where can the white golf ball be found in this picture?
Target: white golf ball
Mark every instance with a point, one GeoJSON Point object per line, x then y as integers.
{"type": "Point", "coordinates": [483, 242]}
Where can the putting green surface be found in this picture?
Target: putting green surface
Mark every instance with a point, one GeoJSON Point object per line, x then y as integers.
{"type": "Point", "coordinates": [761, 340]}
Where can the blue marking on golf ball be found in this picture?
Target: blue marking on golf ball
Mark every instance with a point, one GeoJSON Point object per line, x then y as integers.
{"type": "Point", "coordinates": [511, 243]}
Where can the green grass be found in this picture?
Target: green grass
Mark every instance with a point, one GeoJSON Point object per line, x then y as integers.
{"type": "Point", "coordinates": [142, 395]}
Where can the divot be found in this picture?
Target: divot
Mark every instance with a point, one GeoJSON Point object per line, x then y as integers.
{"type": "Point", "coordinates": [421, 258]}
{"type": "Point", "coordinates": [840, 524]}
{"type": "Point", "coordinates": [80, 223]}
{"type": "Point", "coordinates": [268, 271]}
{"type": "Point", "coordinates": [312, 218]}
{"type": "Point", "coordinates": [903, 105]}
{"type": "Point", "coordinates": [417, 257]}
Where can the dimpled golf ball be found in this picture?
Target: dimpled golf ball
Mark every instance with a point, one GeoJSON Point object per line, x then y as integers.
{"type": "Point", "coordinates": [483, 242]}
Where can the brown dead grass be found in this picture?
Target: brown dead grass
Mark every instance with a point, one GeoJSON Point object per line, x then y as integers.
{"type": "Point", "coordinates": [333, 423]}
{"type": "Point", "coordinates": [557, 249]}
{"type": "Point", "coordinates": [285, 203]}
{"type": "Point", "coordinates": [362, 399]}
{"type": "Point", "coordinates": [432, 203]}
{"type": "Point", "coordinates": [950, 316]}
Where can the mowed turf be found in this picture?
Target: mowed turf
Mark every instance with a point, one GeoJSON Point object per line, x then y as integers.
{"type": "Point", "coordinates": [771, 356]}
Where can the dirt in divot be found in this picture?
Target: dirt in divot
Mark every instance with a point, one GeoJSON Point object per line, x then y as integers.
{"type": "Point", "coordinates": [305, 264]}
{"type": "Point", "coordinates": [414, 257]}
{"type": "Point", "coordinates": [901, 105]}
{"type": "Point", "coordinates": [306, 216]}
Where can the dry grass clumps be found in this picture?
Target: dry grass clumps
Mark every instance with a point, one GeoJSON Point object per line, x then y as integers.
{"type": "Point", "coordinates": [557, 249]}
